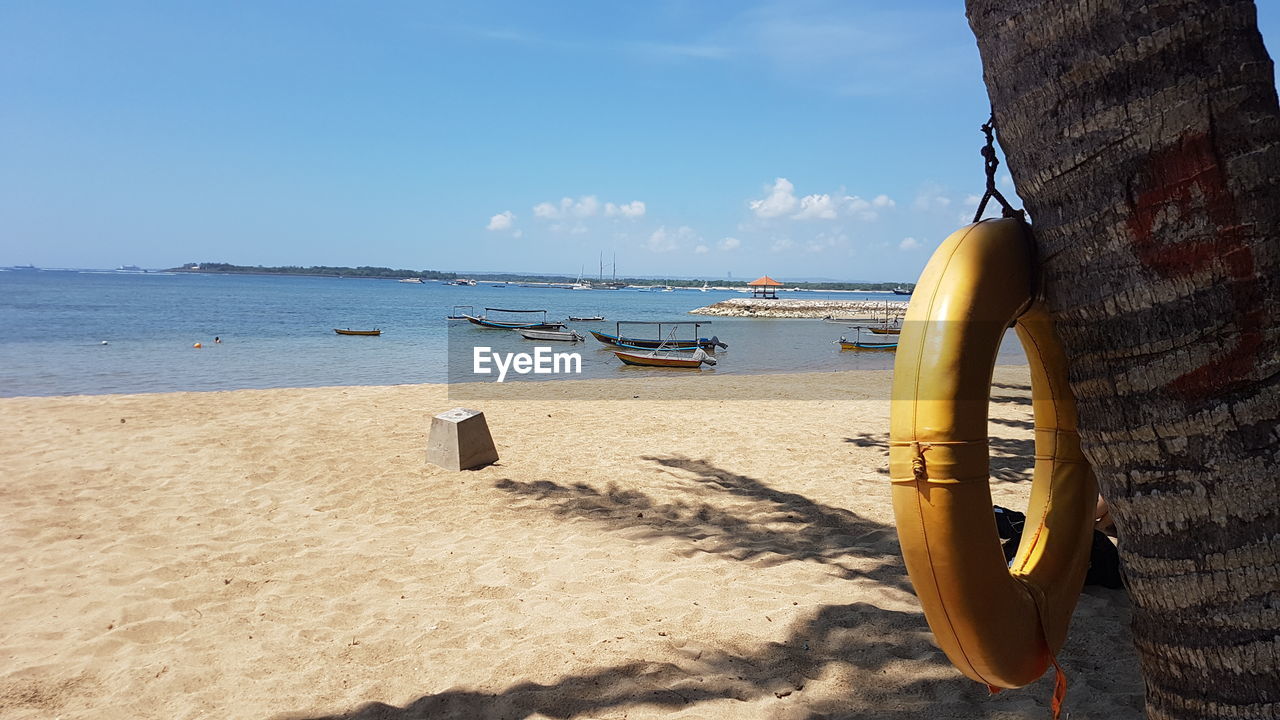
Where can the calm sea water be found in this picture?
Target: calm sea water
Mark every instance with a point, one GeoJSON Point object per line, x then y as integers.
{"type": "Point", "coordinates": [278, 331]}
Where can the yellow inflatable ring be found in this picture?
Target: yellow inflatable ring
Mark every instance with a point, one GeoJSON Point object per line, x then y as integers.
{"type": "Point", "coordinates": [999, 624]}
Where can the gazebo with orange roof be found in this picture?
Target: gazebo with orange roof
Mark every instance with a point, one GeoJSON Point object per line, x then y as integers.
{"type": "Point", "coordinates": [764, 287]}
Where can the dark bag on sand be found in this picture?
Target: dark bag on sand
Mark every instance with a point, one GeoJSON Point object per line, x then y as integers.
{"type": "Point", "coordinates": [1104, 561]}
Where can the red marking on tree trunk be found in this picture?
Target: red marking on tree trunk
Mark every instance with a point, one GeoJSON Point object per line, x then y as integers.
{"type": "Point", "coordinates": [1189, 177]}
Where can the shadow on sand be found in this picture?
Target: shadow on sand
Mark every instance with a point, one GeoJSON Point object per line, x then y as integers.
{"type": "Point", "coordinates": [855, 642]}
{"type": "Point", "coordinates": [844, 640]}
{"type": "Point", "coordinates": [773, 527]}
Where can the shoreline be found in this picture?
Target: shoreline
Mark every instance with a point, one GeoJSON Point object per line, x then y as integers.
{"type": "Point", "coordinates": [532, 390]}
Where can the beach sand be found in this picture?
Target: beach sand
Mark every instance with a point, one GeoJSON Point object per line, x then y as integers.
{"type": "Point", "coordinates": [289, 554]}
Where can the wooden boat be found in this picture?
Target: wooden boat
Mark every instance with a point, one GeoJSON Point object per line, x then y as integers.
{"type": "Point", "coordinates": [858, 344]}
{"type": "Point", "coordinates": [557, 335]}
{"type": "Point", "coordinates": [619, 340]}
{"type": "Point", "coordinates": [665, 358]}
{"type": "Point", "coordinates": [349, 331]}
{"type": "Point", "coordinates": [590, 318]}
{"type": "Point", "coordinates": [885, 330]}
{"type": "Point", "coordinates": [666, 354]}
{"type": "Point", "coordinates": [542, 324]}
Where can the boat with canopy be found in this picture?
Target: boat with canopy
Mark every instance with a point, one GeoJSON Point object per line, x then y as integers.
{"type": "Point", "coordinates": [859, 344]}
{"type": "Point", "coordinates": [696, 342]}
{"type": "Point", "coordinates": [513, 324]}
{"type": "Point", "coordinates": [669, 352]}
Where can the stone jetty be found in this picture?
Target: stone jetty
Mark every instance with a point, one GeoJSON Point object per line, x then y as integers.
{"type": "Point", "coordinates": [787, 308]}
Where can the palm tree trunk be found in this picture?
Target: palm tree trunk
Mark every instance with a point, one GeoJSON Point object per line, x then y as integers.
{"type": "Point", "coordinates": [1144, 138]}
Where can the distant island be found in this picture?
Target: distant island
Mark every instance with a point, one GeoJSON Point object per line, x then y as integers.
{"type": "Point", "coordinates": [365, 271]}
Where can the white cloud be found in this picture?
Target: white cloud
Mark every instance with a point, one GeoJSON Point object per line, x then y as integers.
{"type": "Point", "coordinates": [633, 209]}
{"type": "Point", "coordinates": [501, 221]}
{"type": "Point", "coordinates": [972, 200]}
{"type": "Point", "coordinates": [1005, 180]}
{"type": "Point", "coordinates": [781, 244]}
{"type": "Point", "coordinates": [780, 200]}
{"type": "Point", "coordinates": [662, 240]}
{"type": "Point", "coordinates": [908, 244]}
{"type": "Point", "coordinates": [826, 241]}
{"type": "Point", "coordinates": [702, 250]}
{"type": "Point", "coordinates": [585, 206]}
{"type": "Point", "coordinates": [883, 201]}
{"type": "Point", "coordinates": [863, 209]}
{"type": "Point", "coordinates": [517, 234]}
{"type": "Point", "coordinates": [932, 197]}
{"type": "Point", "coordinates": [816, 207]}
{"type": "Point", "coordinates": [730, 243]}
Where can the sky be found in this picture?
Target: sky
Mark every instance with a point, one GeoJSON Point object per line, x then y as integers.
{"type": "Point", "coordinates": [806, 139]}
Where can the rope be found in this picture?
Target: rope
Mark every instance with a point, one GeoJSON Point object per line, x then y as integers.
{"type": "Point", "coordinates": [919, 470]}
{"type": "Point", "coordinates": [990, 163]}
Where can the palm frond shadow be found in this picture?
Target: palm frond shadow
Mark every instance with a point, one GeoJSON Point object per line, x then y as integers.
{"type": "Point", "coordinates": [884, 660]}
{"type": "Point", "coordinates": [854, 641]}
{"type": "Point", "coordinates": [771, 528]}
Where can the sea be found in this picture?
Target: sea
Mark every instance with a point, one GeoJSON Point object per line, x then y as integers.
{"type": "Point", "coordinates": [70, 332]}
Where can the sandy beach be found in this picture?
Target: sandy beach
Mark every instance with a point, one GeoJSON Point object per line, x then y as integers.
{"type": "Point", "coordinates": [289, 554]}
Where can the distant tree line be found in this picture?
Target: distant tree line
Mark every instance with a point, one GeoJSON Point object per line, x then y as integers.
{"type": "Point", "coordinates": [366, 271]}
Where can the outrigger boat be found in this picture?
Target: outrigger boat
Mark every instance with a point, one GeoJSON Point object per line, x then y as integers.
{"type": "Point", "coordinates": [455, 315]}
{"type": "Point", "coordinates": [858, 344]}
{"type": "Point", "coordinates": [619, 340]}
{"type": "Point", "coordinates": [665, 355]}
{"type": "Point", "coordinates": [484, 321]}
{"type": "Point", "coordinates": [349, 331]}
{"type": "Point", "coordinates": [885, 330]}
{"type": "Point", "coordinates": [561, 336]}
{"type": "Point", "coordinates": [664, 358]}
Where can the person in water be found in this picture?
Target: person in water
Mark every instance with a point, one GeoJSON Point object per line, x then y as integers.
{"type": "Point", "coordinates": [217, 339]}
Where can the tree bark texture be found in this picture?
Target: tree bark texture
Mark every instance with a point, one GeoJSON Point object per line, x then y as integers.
{"type": "Point", "coordinates": [1144, 138]}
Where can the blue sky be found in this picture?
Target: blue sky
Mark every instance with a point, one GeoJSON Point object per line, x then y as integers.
{"type": "Point", "coordinates": [802, 138]}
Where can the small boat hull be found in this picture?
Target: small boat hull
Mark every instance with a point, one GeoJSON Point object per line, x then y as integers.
{"type": "Point", "coordinates": [868, 346]}
{"type": "Point", "coordinates": [358, 332]}
{"type": "Point", "coordinates": [885, 331]}
{"type": "Point", "coordinates": [513, 326]}
{"type": "Point", "coordinates": [554, 335]}
{"type": "Point", "coordinates": [620, 341]}
{"type": "Point", "coordinates": [646, 360]}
